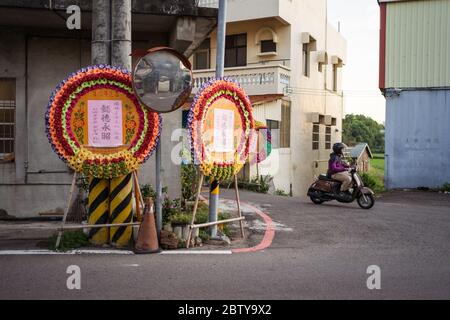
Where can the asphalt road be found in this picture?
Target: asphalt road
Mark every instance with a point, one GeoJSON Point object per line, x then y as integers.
{"type": "Point", "coordinates": [319, 252]}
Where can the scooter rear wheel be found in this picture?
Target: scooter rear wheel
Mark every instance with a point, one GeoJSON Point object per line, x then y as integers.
{"type": "Point", "coordinates": [366, 201]}
{"type": "Point", "coordinates": [316, 200]}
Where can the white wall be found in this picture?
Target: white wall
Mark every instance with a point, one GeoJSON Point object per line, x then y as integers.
{"type": "Point", "coordinates": [312, 94]}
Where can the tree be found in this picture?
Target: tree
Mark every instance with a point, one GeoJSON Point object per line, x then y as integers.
{"type": "Point", "coordinates": [359, 128]}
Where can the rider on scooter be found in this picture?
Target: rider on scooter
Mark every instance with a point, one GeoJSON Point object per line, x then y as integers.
{"type": "Point", "coordinates": [338, 169]}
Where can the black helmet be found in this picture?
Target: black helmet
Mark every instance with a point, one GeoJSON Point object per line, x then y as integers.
{"type": "Point", "coordinates": [339, 147]}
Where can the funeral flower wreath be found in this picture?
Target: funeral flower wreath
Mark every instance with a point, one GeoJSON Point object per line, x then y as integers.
{"type": "Point", "coordinates": [209, 93]}
{"type": "Point", "coordinates": [65, 134]}
{"type": "Point", "coordinates": [263, 132]}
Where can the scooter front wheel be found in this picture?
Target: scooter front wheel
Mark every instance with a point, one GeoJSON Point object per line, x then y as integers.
{"type": "Point", "coordinates": [366, 201]}
{"type": "Point", "coordinates": [316, 200]}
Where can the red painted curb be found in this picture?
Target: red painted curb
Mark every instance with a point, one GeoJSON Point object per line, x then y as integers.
{"type": "Point", "coordinates": [268, 235]}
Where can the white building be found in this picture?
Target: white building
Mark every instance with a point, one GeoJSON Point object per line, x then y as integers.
{"type": "Point", "coordinates": [289, 59]}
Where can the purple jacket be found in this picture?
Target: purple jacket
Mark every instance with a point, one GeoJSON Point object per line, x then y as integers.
{"type": "Point", "coordinates": [336, 165]}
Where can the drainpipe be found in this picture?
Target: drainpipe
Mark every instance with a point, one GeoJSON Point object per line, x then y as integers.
{"type": "Point", "coordinates": [25, 164]}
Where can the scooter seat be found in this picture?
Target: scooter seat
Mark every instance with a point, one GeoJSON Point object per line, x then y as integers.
{"type": "Point", "coordinates": [324, 177]}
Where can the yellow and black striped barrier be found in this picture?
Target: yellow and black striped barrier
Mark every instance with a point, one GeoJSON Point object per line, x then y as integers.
{"type": "Point", "coordinates": [98, 210]}
{"type": "Point", "coordinates": [214, 189]}
{"type": "Point", "coordinates": [213, 205]}
{"type": "Point", "coordinates": [121, 209]}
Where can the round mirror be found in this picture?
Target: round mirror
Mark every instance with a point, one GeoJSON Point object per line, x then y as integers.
{"type": "Point", "coordinates": [162, 80]}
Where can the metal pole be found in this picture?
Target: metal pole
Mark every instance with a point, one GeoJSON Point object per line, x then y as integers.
{"type": "Point", "coordinates": [220, 64]}
{"type": "Point", "coordinates": [221, 33]}
{"type": "Point", "coordinates": [158, 202]}
{"type": "Point", "coordinates": [213, 206]}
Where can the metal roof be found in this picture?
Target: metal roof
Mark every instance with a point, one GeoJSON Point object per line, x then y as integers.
{"type": "Point", "coordinates": [384, 1]}
{"type": "Point", "coordinates": [356, 151]}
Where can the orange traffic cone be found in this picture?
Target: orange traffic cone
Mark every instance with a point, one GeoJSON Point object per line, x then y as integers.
{"type": "Point", "coordinates": [147, 239]}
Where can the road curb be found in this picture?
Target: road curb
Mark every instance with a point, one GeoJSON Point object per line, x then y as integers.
{"type": "Point", "coordinates": [266, 242]}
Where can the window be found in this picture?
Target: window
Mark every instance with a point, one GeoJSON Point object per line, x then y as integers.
{"type": "Point", "coordinates": [328, 137]}
{"type": "Point", "coordinates": [184, 118]}
{"type": "Point", "coordinates": [236, 50]}
{"type": "Point", "coordinates": [7, 117]}
{"type": "Point", "coordinates": [285, 126]}
{"type": "Point", "coordinates": [315, 136]}
{"type": "Point", "coordinates": [305, 59]}
{"type": "Point", "coordinates": [274, 127]}
{"type": "Point", "coordinates": [335, 77]}
{"type": "Point", "coordinates": [309, 45]}
{"type": "Point", "coordinates": [268, 46]}
{"type": "Point", "coordinates": [202, 56]}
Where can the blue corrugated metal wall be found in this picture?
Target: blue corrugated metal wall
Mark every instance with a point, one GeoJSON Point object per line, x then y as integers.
{"type": "Point", "coordinates": [418, 139]}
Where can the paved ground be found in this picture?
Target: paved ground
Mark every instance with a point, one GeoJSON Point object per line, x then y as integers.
{"type": "Point", "coordinates": [318, 252]}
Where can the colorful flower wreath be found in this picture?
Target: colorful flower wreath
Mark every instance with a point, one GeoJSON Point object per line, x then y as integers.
{"type": "Point", "coordinates": [265, 142]}
{"type": "Point", "coordinates": [209, 93]}
{"type": "Point", "coordinates": [65, 139]}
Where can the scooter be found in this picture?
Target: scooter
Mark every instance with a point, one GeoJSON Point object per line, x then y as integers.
{"type": "Point", "coordinates": [327, 189]}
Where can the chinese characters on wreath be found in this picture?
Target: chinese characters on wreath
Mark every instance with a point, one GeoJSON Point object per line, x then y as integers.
{"type": "Point", "coordinates": [223, 130]}
{"type": "Point", "coordinates": [105, 123]}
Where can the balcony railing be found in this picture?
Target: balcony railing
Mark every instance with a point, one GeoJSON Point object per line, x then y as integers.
{"type": "Point", "coordinates": [256, 80]}
{"type": "Point", "coordinates": [208, 3]}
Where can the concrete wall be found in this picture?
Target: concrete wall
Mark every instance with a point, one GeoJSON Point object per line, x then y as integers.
{"type": "Point", "coordinates": [243, 10]}
{"type": "Point", "coordinates": [417, 139]}
{"type": "Point", "coordinates": [38, 181]}
{"type": "Point", "coordinates": [280, 158]}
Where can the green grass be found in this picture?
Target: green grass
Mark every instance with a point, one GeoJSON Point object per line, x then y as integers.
{"type": "Point", "coordinates": [377, 170]}
{"type": "Point", "coordinates": [377, 166]}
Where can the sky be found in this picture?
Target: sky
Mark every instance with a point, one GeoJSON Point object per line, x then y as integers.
{"type": "Point", "coordinates": [360, 25]}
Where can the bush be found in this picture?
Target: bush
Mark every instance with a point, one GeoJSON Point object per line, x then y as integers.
{"type": "Point", "coordinates": [69, 240]}
{"type": "Point", "coordinates": [445, 187]}
{"type": "Point", "coordinates": [204, 235]}
{"type": "Point", "coordinates": [148, 191]}
{"type": "Point", "coordinates": [281, 193]}
{"type": "Point", "coordinates": [170, 208]}
{"type": "Point", "coordinates": [181, 219]}
{"type": "Point", "coordinates": [202, 214]}
{"type": "Point", "coordinates": [189, 182]}
{"type": "Point", "coordinates": [372, 182]}
{"type": "Point", "coordinates": [260, 185]}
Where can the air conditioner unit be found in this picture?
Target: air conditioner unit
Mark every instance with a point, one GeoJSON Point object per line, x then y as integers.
{"type": "Point", "coordinates": [306, 37]}
{"type": "Point", "coordinates": [322, 57]}
{"type": "Point", "coordinates": [315, 117]}
{"type": "Point", "coordinates": [337, 61]}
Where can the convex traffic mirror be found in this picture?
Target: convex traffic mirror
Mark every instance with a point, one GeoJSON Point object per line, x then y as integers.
{"type": "Point", "coordinates": [162, 79]}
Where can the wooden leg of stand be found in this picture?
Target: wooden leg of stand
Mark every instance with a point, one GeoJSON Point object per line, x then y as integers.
{"type": "Point", "coordinates": [72, 188]}
{"type": "Point", "coordinates": [141, 198]}
{"type": "Point", "coordinates": [137, 197]}
{"type": "Point", "coordinates": [194, 212]}
{"type": "Point", "coordinates": [238, 201]}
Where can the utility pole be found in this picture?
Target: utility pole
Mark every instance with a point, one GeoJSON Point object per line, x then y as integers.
{"type": "Point", "coordinates": [121, 33]}
{"type": "Point", "coordinates": [159, 199]}
{"type": "Point", "coordinates": [101, 32]}
{"type": "Point", "coordinates": [220, 62]}
{"type": "Point", "coordinates": [111, 33]}
{"type": "Point", "coordinates": [111, 44]}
